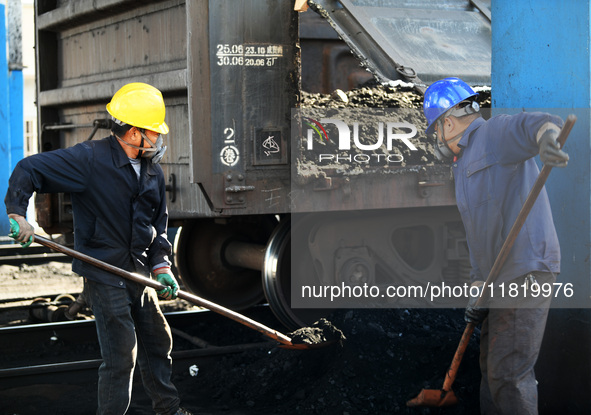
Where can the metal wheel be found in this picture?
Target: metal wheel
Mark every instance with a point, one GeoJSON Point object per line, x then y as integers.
{"type": "Point", "coordinates": [277, 274]}
{"type": "Point", "coordinates": [201, 248]}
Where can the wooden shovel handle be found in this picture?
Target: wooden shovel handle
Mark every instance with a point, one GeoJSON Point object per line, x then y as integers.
{"type": "Point", "coordinates": [450, 375]}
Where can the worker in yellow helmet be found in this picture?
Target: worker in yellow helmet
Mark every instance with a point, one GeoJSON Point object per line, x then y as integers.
{"type": "Point", "coordinates": [138, 112]}
{"type": "Point", "coordinates": [118, 198]}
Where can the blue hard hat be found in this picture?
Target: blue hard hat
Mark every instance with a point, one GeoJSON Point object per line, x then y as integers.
{"type": "Point", "coordinates": [442, 96]}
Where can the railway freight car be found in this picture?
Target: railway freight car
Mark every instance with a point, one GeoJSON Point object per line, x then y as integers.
{"type": "Point", "coordinates": [232, 74]}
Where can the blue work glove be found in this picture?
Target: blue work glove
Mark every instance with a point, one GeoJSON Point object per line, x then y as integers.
{"type": "Point", "coordinates": [550, 152]}
{"type": "Point", "coordinates": [21, 230]}
{"type": "Point", "coordinates": [474, 314]}
{"type": "Point", "coordinates": [170, 292]}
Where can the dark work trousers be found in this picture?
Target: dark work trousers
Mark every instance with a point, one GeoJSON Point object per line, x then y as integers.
{"type": "Point", "coordinates": [131, 326]}
{"type": "Point", "coordinates": [510, 342]}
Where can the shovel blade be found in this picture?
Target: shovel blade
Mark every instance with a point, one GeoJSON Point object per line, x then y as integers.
{"type": "Point", "coordinates": [434, 397]}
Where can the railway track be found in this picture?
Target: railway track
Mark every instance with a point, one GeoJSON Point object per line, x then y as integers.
{"type": "Point", "coordinates": [46, 349]}
{"type": "Point", "coordinates": [52, 358]}
{"type": "Point", "coordinates": [14, 254]}
{"type": "Point", "coordinates": [52, 366]}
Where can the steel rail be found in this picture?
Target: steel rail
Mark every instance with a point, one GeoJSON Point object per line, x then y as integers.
{"type": "Point", "coordinates": [53, 368]}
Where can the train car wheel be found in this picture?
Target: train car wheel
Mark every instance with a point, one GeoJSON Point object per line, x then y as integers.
{"type": "Point", "coordinates": [205, 270]}
{"type": "Point", "coordinates": [277, 274]}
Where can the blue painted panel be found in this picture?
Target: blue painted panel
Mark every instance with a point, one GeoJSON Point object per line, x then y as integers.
{"type": "Point", "coordinates": [17, 139]}
{"type": "Point", "coordinates": [541, 59]}
{"type": "Point", "coordinates": [5, 143]}
{"type": "Point", "coordinates": [540, 54]}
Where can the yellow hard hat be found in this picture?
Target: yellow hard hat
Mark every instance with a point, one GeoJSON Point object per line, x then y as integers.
{"type": "Point", "coordinates": [140, 105]}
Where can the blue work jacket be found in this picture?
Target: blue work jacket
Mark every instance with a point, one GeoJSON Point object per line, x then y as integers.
{"type": "Point", "coordinates": [493, 176]}
{"type": "Point", "coordinates": [118, 219]}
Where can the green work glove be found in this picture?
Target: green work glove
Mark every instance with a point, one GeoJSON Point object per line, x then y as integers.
{"type": "Point", "coordinates": [170, 292]}
{"type": "Point", "coordinates": [25, 237]}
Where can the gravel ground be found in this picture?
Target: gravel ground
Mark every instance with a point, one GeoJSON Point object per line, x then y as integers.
{"type": "Point", "coordinates": [28, 281]}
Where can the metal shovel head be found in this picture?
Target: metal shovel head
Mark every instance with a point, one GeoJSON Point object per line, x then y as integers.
{"type": "Point", "coordinates": [434, 397]}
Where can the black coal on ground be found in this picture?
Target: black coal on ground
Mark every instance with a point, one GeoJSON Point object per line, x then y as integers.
{"type": "Point", "coordinates": [388, 356]}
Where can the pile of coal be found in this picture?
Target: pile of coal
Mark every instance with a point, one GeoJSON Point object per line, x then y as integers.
{"type": "Point", "coordinates": [322, 331]}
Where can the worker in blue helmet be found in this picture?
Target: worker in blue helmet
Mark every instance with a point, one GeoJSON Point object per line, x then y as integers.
{"type": "Point", "coordinates": [494, 168]}
{"type": "Point", "coordinates": [452, 96]}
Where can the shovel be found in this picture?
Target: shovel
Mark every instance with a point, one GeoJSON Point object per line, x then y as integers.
{"type": "Point", "coordinates": [445, 396]}
{"type": "Point", "coordinates": [286, 342]}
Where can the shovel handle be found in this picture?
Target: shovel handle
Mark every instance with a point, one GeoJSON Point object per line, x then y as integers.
{"type": "Point", "coordinates": [450, 375]}
{"type": "Point", "coordinates": [275, 335]}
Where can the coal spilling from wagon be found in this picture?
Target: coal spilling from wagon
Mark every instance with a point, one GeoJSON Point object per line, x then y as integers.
{"type": "Point", "coordinates": [372, 108]}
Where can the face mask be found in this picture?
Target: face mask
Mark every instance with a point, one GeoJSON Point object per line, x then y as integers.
{"type": "Point", "coordinates": [155, 152]}
{"type": "Point", "coordinates": [158, 154]}
{"type": "Point", "coordinates": [442, 152]}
